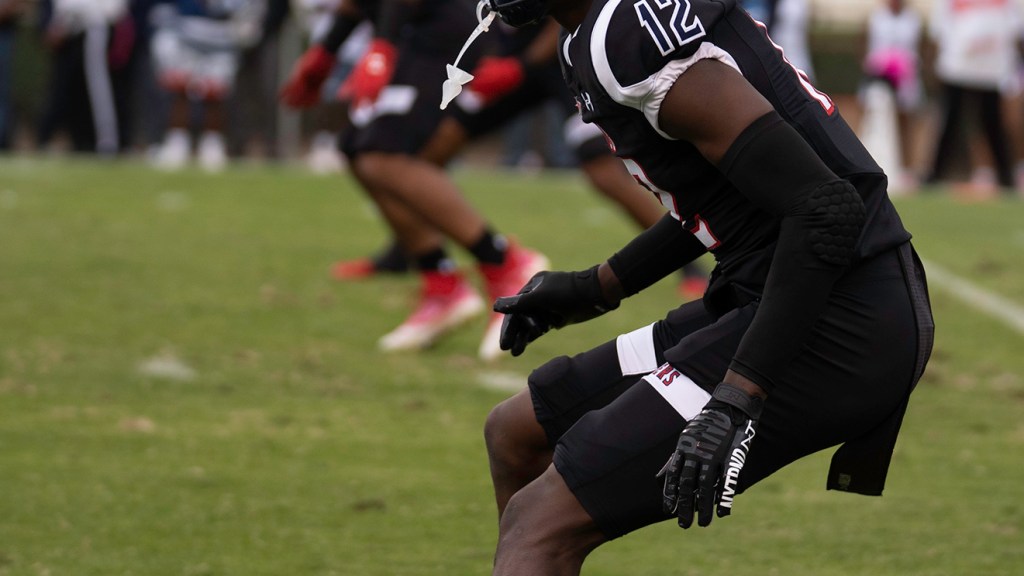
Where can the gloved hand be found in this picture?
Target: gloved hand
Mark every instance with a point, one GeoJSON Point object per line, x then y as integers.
{"type": "Point", "coordinates": [549, 300]}
{"type": "Point", "coordinates": [371, 74]}
{"type": "Point", "coordinates": [494, 77]}
{"type": "Point", "coordinates": [709, 456]}
{"type": "Point", "coordinates": [302, 89]}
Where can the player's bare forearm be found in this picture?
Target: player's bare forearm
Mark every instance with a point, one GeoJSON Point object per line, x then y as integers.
{"type": "Point", "coordinates": [746, 384]}
{"type": "Point", "coordinates": [611, 288]}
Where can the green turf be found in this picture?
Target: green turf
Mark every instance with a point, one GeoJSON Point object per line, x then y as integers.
{"type": "Point", "coordinates": [297, 448]}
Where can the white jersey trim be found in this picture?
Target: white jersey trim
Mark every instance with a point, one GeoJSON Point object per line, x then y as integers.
{"type": "Point", "coordinates": [679, 391]}
{"type": "Point", "coordinates": [648, 94]}
{"type": "Point", "coordinates": [636, 351]}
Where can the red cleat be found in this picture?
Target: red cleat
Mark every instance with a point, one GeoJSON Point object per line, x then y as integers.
{"type": "Point", "coordinates": [505, 280]}
{"type": "Point", "coordinates": [692, 288]}
{"type": "Point", "coordinates": [353, 269]}
{"type": "Point", "coordinates": [446, 301]}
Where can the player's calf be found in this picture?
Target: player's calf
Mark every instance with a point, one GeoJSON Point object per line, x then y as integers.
{"type": "Point", "coordinates": [517, 447]}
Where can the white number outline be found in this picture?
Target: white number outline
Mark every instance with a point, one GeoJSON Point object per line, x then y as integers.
{"type": "Point", "coordinates": [681, 12]}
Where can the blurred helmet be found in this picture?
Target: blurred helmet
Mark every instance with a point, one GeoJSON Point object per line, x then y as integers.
{"type": "Point", "coordinates": [519, 13]}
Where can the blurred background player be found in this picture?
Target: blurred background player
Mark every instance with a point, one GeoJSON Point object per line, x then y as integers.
{"type": "Point", "coordinates": [315, 18]}
{"type": "Point", "coordinates": [197, 48]}
{"type": "Point", "coordinates": [394, 92]}
{"type": "Point", "coordinates": [978, 43]}
{"type": "Point", "coordinates": [523, 76]}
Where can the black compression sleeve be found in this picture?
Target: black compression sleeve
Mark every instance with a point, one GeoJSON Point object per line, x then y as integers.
{"type": "Point", "coordinates": [821, 220]}
{"type": "Point", "coordinates": [653, 254]}
{"type": "Point", "coordinates": [341, 29]}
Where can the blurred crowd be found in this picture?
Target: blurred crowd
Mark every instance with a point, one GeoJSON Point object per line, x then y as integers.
{"type": "Point", "coordinates": [197, 80]}
{"type": "Point", "coordinates": [139, 75]}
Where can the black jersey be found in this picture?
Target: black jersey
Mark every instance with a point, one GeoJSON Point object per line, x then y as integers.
{"type": "Point", "coordinates": [625, 56]}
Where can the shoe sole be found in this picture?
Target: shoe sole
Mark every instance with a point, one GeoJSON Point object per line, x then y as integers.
{"type": "Point", "coordinates": [465, 312]}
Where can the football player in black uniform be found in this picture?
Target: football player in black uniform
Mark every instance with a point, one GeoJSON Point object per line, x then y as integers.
{"type": "Point", "coordinates": [813, 333]}
{"type": "Point", "coordinates": [394, 91]}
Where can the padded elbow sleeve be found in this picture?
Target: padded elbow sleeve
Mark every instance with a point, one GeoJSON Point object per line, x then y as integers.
{"type": "Point", "coordinates": [773, 166]}
{"type": "Point", "coordinates": [834, 220]}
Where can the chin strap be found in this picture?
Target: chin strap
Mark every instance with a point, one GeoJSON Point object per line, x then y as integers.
{"type": "Point", "coordinates": [457, 77]}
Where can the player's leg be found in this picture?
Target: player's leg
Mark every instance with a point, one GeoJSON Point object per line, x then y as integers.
{"type": "Point", "coordinates": [387, 161]}
{"type": "Point", "coordinates": [551, 539]}
{"type": "Point", "coordinates": [446, 298]}
{"type": "Point", "coordinates": [543, 527]}
{"type": "Point", "coordinates": [950, 129]}
{"type": "Point", "coordinates": [212, 84]}
{"type": "Point", "coordinates": [448, 140]}
{"type": "Point", "coordinates": [521, 432]}
{"type": "Point", "coordinates": [518, 450]}
{"type": "Point", "coordinates": [173, 63]}
{"type": "Point", "coordinates": [853, 380]}
{"type": "Point", "coordinates": [851, 383]}
{"type": "Point", "coordinates": [994, 127]}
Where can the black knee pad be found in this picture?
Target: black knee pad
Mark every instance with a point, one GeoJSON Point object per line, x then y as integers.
{"type": "Point", "coordinates": [547, 380]}
{"type": "Point", "coordinates": [564, 389]}
{"type": "Point", "coordinates": [838, 213]}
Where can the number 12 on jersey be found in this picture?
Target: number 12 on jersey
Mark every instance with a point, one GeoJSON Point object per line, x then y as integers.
{"type": "Point", "coordinates": [671, 23]}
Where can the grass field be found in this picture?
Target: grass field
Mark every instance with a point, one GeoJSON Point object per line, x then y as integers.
{"type": "Point", "coordinates": [184, 391]}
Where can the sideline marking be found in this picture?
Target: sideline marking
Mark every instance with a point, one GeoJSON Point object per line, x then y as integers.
{"type": "Point", "coordinates": [501, 381]}
{"type": "Point", "coordinates": [996, 306]}
{"type": "Point", "coordinates": [167, 366]}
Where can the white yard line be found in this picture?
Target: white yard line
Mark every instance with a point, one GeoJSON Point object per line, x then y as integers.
{"type": "Point", "coordinates": [996, 306]}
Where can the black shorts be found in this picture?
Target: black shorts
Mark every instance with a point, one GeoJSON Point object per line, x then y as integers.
{"type": "Point", "coordinates": [613, 427]}
{"type": "Point", "coordinates": [408, 109]}
{"type": "Point", "coordinates": [540, 85]}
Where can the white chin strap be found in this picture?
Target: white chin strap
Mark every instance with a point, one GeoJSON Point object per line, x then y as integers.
{"type": "Point", "coordinates": [457, 77]}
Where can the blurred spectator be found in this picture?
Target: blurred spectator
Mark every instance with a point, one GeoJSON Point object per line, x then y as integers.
{"type": "Point", "coordinates": [787, 22]}
{"type": "Point", "coordinates": [10, 10]}
{"type": "Point", "coordinates": [977, 42]}
{"type": "Point", "coordinates": [790, 29]}
{"type": "Point", "coordinates": [761, 10]}
{"type": "Point", "coordinates": [90, 42]}
{"type": "Point", "coordinates": [892, 56]}
{"type": "Point", "coordinates": [252, 118]}
{"type": "Point", "coordinates": [197, 47]}
{"type": "Point", "coordinates": [147, 113]}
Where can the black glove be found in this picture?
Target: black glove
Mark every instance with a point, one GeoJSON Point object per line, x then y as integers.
{"type": "Point", "coordinates": [549, 300]}
{"type": "Point", "coordinates": [711, 451]}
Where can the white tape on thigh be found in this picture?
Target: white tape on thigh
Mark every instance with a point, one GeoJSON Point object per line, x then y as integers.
{"type": "Point", "coordinates": [678, 390]}
{"type": "Point", "coordinates": [636, 351]}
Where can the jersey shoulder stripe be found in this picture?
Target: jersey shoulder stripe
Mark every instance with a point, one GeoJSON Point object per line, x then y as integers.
{"type": "Point", "coordinates": [639, 48]}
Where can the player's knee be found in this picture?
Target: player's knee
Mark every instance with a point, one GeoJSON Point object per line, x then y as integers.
{"type": "Point", "coordinates": [552, 377]}
{"type": "Point", "coordinates": [545, 520]}
{"type": "Point", "coordinates": [498, 429]}
{"type": "Point", "coordinates": [512, 434]}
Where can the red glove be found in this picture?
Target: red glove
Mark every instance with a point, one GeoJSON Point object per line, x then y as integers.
{"type": "Point", "coordinates": [302, 89]}
{"type": "Point", "coordinates": [372, 73]}
{"type": "Point", "coordinates": [495, 77]}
